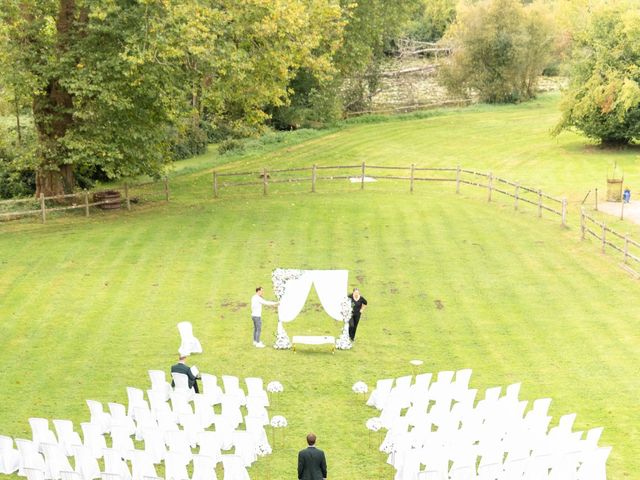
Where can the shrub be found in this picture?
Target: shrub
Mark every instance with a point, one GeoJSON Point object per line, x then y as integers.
{"type": "Point", "coordinates": [500, 49]}
{"type": "Point", "coordinates": [603, 98]}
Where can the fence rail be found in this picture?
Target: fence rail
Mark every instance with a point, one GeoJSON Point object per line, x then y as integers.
{"type": "Point", "coordinates": [43, 210]}
{"type": "Point", "coordinates": [364, 172]}
{"type": "Point", "coordinates": [622, 244]}
{"type": "Point", "coordinates": [359, 174]}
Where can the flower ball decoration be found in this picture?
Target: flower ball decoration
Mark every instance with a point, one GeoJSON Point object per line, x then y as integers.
{"type": "Point", "coordinates": [374, 424]}
{"type": "Point", "coordinates": [278, 421]}
{"type": "Point", "coordinates": [275, 387]}
{"type": "Point", "coordinates": [360, 387]}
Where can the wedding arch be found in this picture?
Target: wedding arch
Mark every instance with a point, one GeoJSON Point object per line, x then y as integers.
{"type": "Point", "coordinates": [292, 287]}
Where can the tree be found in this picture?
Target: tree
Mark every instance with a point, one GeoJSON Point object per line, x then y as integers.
{"type": "Point", "coordinates": [500, 47]}
{"type": "Point", "coordinates": [432, 21]}
{"type": "Point", "coordinates": [603, 98]}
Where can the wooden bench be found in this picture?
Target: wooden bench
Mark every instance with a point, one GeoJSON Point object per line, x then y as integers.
{"type": "Point", "coordinates": [314, 340]}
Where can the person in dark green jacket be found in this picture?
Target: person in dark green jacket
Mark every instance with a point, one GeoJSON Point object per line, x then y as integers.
{"type": "Point", "coordinates": [312, 465]}
{"type": "Point", "coordinates": [181, 367]}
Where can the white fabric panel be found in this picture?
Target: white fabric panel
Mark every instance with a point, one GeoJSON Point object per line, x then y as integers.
{"type": "Point", "coordinates": [294, 297]}
{"type": "Point", "coordinates": [331, 286]}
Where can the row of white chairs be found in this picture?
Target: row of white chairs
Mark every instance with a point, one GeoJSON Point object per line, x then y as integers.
{"type": "Point", "coordinates": [169, 429]}
{"type": "Point", "coordinates": [440, 426]}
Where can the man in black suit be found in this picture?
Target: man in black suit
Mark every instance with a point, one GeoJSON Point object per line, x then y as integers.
{"type": "Point", "coordinates": [181, 367]}
{"type": "Point", "coordinates": [311, 462]}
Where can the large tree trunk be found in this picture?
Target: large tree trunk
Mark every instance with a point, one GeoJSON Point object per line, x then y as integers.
{"type": "Point", "coordinates": [53, 115]}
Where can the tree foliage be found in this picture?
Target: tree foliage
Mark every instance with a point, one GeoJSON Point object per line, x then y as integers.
{"type": "Point", "coordinates": [115, 85]}
{"type": "Point", "coordinates": [603, 99]}
{"type": "Point", "coordinates": [500, 49]}
{"type": "Point", "coordinates": [432, 20]}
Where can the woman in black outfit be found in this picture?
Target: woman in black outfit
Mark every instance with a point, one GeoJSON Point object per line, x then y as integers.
{"type": "Point", "coordinates": [358, 304]}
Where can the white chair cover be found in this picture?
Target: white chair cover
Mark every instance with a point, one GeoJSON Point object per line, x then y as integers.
{"type": "Point", "coordinates": [159, 383]}
{"type": "Point", "coordinates": [115, 465]}
{"type": "Point", "coordinates": [204, 468]}
{"type": "Point", "coordinates": [119, 418]}
{"type": "Point", "coordinates": [136, 400]}
{"type": "Point", "coordinates": [141, 465]}
{"type": "Point", "coordinates": [234, 468]}
{"type": "Point", "coordinates": [189, 344]}
{"type": "Point", "coordinates": [55, 460]}
{"type": "Point", "coordinates": [210, 446]}
{"type": "Point", "coordinates": [9, 457]}
{"type": "Point", "coordinates": [211, 389]}
{"type": "Point", "coordinates": [40, 431]}
{"type": "Point", "coordinates": [93, 439]}
{"type": "Point", "coordinates": [99, 417]}
{"type": "Point", "coordinates": [29, 456]}
{"type": "Point", "coordinates": [86, 464]}
{"type": "Point", "coordinates": [67, 437]}
{"type": "Point", "coordinates": [175, 464]}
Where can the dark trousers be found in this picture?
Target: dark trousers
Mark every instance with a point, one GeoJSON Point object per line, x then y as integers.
{"type": "Point", "coordinates": [353, 326]}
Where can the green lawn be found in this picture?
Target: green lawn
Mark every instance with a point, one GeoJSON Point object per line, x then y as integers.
{"type": "Point", "coordinates": [88, 305]}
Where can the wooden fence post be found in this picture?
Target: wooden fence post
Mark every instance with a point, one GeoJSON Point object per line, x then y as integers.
{"type": "Point", "coordinates": [564, 212]}
{"type": "Point", "coordinates": [539, 203]}
{"type": "Point", "coordinates": [313, 178]}
{"type": "Point", "coordinates": [413, 167]}
{"type": "Point", "coordinates": [166, 188]}
{"type": "Point", "coordinates": [215, 184]}
{"type": "Point", "coordinates": [490, 186]}
{"type": "Point", "coordinates": [622, 210]}
{"type": "Point", "coordinates": [458, 179]}
{"type": "Point", "coordinates": [583, 227]}
{"type": "Point", "coordinates": [86, 203]}
{"type": "Point", "coordinates": [604, 236]}
{"type": "Point", "coordinates": [264, 181]}
{"type": "Point", "coordinates": [126, 195]}
{"type": "Point", "coordinates": [43, 209]}
{"type": "Point", "coordinates": [362, 178]}
{"type": "Point", "coordinates": [626, 247]}
{"type": "Point", "coordinates": [515, 195]}
{"type": "Point", "coordinates": [596, 199]}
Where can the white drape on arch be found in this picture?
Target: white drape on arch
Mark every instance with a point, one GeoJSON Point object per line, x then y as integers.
{"type": "Point", "coordinates": [331, 287]}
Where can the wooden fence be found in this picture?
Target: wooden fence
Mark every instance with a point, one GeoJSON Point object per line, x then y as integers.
{"type": "Point", "coordinates": [83, 200]}
{"type": "Point", "coordinates": [411, 173]}
{"type": "Point", "coordinates": [607, 237]}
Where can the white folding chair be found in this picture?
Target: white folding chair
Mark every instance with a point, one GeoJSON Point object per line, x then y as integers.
{"type": "Point", "coordinates": [189, 343]}
{"type": "Point", "coordinates": [9, 457]}
{"type": "Point", "coordinates": [114, 464]}
{"type": "Point", "coordinates": [379, 395]}
{"type": "Point", "coordinates": [55, 460]}
{"type": "Point", "coordinates": [93, 438]}
{"type": "Point", "coordinates": [204, 468]}
{"type": "Point", "coordinates": [231, 412]}
{"type": "Point", "coordinates": [71, 475]}
{"type": "Point", "coordinates": [119, 418]}
{"type": "Point", "coordinates": [210, 388]}
{"type": "Point", "coordinates": [67, 437]}
{"type": "Point", "coordinates": [159, 383]}
{"type": "Point", "coordinates": [121, 440]}
{"type": "Point", "coordinates": [178, 442]}
{"type": "Point", "coordinates": [224, 429]}
{"type": "Point", "coordinates": [203, 410]}
{"type": "Point", "coordinates": [210, 446]}
{"type": "Point", "coordinates": [34, 473]}
{"type": "Point", "coordinates": [255, 428]}
{"type": "Point", "coordinates": [180, 401]}
{"type": "Point", "coordinates": [141, 465]}
{"type": "Point", "coordinates": [181, 382]}
{"type": "Point", "coordinates": [232, 389]}
{"type": "Point", "coordinates": [29, 456]}
{"type": "Point", "coordinates": [154, 444]}
{"type": "Point", "coordinates": [144, 421]}
{"type": "Point", "coordinates": [99, 417]}
{"type": "Point", "coordinates": [256, 409]}
{"type": "Point", "coordinates": [256, 391]}
{"type": "Point", "coordinates": [86, 464]}
{"type": "Point", "coordinates": [40, 432]}
{"type": "Point", "coordinates": [191, 427]}
{"type": "Point", "coordinates": [595, 466]}
{"type": "Point", "coordinates": [234, 468]}
{"type": "Point", "coordinates": [244, 447]}
{"type": "Point", "coordinates": [175, 465]}
{"type": "Point", "coordinates": [112, 476]}
{"type": "Point", "coordinates": [135, 400]}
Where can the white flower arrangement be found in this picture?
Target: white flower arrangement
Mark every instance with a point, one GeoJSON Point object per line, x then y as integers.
{"type": "Point", "coordinates": [280, 277]}
{"type": "Point", "coordinates": [275, 387]}
{"type": "Point", "coordinates": [282, 339]}
{"type": "Point", "coordinates": [344, 342]}
{"type": "Point", "coordinates": [374, 424]}
{"type": "Point", "coordinates": [263, 448]}
{"type": "Point", "coordinates": [278, 421]}
{"type": "Point", "coordinates": [360, 387]}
